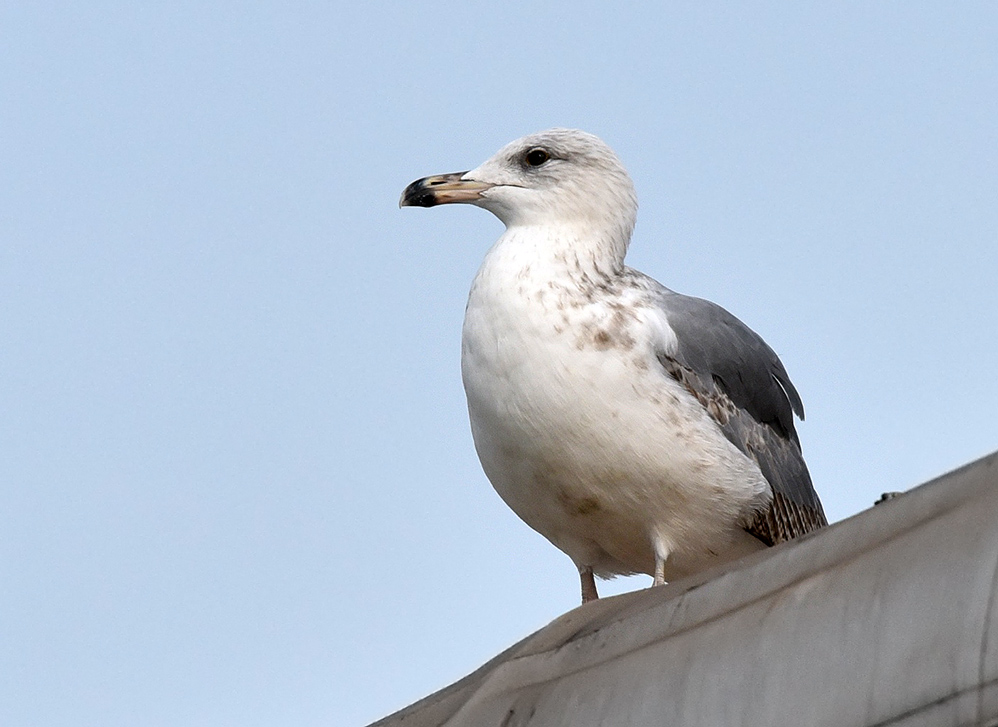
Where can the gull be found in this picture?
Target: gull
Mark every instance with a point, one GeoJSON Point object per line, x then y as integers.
{"type": "Point", "coordinates": [637, 429]}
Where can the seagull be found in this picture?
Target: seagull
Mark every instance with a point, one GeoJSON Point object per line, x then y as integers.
{"type": "Point", "coordinates": [637, 429]}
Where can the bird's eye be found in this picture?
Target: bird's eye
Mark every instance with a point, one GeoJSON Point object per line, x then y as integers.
{"type": "Point", "coordinates": [536, 157]}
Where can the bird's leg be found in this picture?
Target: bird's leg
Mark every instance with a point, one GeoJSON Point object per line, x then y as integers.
{"type": "Point", "coordinates": [659, 571]}
{"type": "Point", "coordinates": [588, 584]}
{"type": "Point", "coordinates": [661, 547]}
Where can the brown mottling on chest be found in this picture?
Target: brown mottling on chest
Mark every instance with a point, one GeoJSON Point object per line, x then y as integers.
{"type": "Point", "coordinates": [578, 505]}
{"type": "Point", "coordinates": [612, 332]}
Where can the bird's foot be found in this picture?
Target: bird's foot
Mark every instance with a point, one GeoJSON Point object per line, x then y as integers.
{"type": "Point", "coordinates": [659, 577]}
{"type": "Point", "coordinates": [588, 584]}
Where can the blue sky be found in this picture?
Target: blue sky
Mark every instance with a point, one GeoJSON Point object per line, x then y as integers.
{"type": "Point", "coordinates": [237, 484]}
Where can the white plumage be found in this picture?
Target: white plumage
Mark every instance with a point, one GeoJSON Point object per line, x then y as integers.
{"type": "Point", "coordinates": [579, 425]}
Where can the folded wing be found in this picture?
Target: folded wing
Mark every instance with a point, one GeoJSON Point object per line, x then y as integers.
{"type": "Point", "coordinates": [744, 387]}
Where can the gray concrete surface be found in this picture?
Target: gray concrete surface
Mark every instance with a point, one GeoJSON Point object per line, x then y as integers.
{"type": "Point", "coordinates": [887, 618]}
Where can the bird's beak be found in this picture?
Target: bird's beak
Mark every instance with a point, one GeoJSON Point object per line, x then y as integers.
{"type": "Point", "coordinates": [442, 189]}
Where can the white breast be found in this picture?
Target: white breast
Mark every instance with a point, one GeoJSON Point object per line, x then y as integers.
{"type": "Point", "coordinates": [583, 434]}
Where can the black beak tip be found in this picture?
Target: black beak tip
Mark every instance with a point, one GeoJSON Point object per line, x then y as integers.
{"type": "Point", "coordinates": [418, 194]}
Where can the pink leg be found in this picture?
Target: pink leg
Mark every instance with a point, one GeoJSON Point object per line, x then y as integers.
{"type": "Point", "coordinates": [588, 584]}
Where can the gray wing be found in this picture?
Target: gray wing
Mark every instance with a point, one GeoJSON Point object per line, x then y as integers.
{"type": "Point", "coordinates": [742, 384]}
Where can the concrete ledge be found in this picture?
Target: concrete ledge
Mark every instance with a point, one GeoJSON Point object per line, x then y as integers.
{"type": "Point", "coordinates": [887, 618]}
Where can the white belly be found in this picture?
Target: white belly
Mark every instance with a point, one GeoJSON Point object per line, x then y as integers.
{"type": "Point", "coordinates": [591, 443]}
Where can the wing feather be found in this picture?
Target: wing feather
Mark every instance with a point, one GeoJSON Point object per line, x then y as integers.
{"type": "Point", "coordinates": [744, 387]}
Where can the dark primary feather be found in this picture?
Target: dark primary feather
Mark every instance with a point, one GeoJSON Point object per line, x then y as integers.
{"type": "Point", "coordinates": [742, 384]}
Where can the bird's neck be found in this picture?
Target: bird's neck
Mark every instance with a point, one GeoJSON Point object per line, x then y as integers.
{"type": "Point", "coordinates": [563, 253]}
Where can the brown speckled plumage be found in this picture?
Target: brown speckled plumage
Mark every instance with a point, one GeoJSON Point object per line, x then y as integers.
{"type": "Point", "coordinates": [638, 429]}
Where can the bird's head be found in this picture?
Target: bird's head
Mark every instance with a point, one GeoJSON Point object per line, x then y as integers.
{"type": "Point", "coordinates": [559, 177]}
